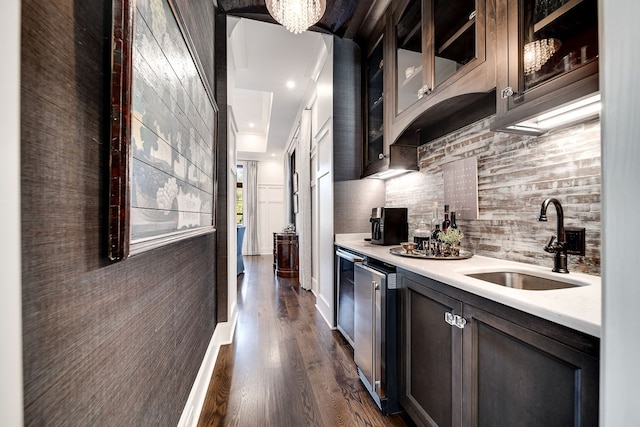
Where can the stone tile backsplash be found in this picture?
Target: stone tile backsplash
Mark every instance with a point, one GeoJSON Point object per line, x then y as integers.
{"type": "Point", "coordinates": [515, 174]}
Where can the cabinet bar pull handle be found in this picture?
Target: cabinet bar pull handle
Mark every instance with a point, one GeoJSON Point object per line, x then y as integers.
{"type": "Point", "coordinates": [455, 320]}
{"type": "Point", "coordinates": [507, 92]}
{"type": "Point", "coordinates": [450, 318]}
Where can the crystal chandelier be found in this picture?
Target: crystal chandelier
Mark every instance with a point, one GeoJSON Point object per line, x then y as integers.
{"type": "Point", "coordinates": [537, 53]}
{"type": "Point", "coordinates": [296, 15]}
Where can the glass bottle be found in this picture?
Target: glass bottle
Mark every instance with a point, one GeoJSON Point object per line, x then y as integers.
{"type": "Point", "coordinates": [436, 231]}
{"type": "Point", "coordinates": [453, 220]}
{"type": "Point", "coordinates": [446, 223]}
{"type": "Point", "coordinates": [435, 241]}
{"type": "Point", "coordinates": [421, 236]}
{"type": "Point", "coordinates": [434, 216]}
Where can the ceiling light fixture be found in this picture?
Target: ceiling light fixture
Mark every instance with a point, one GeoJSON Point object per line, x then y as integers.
{"type": "Point", "coordinates": [296, 15]}
{"type": "Point", "coordinates": [291, 84]}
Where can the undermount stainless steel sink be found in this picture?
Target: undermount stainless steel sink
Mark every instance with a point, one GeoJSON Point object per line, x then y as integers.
{"type": "Point", "coordinates": [518, 280]}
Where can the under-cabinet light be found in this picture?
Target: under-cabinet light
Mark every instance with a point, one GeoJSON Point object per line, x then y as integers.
{"type": "Point", "coordinates": [568, 114]}
{"type": "Point", "coordinates": [391, 173]}
{"type": "Point", "coordinates": [588, 107]}
{"type": "Point", "coordinates": [521, 128]}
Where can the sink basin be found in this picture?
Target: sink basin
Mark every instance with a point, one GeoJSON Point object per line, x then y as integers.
{"type": "Point", "coordinates": [517, 280]}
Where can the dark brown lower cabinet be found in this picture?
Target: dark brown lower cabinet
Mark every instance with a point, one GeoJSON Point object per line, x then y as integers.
{"type": "Point", "coordinates": [432, 357]}
{"type": "Point", "coordinates": [468, 361]}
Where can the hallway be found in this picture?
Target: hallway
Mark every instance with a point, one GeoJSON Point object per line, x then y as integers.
{"type": "Point", "coordinates": [285, 366]}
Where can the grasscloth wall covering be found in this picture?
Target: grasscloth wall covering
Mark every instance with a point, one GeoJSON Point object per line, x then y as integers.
{"type": "Point", "coordinates": [103, 344]}
{"type": "Point", "coordinates": [515, 174]}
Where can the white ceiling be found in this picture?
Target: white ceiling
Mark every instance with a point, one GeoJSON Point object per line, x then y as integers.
{"type": "Point", "coordinates": [262, 58]}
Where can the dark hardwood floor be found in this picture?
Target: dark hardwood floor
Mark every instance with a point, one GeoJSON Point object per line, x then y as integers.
{"type": "Point", "coordinates": [285, 366]}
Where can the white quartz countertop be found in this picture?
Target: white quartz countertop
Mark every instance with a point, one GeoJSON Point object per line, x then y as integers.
{"type": "Point", "coordinates": [578, 308]}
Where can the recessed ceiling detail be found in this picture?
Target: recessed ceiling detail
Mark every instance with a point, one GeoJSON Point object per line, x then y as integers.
{"type": "Point", "coordinates": [262, 58]}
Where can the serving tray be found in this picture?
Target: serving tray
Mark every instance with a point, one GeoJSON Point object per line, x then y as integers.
{"type": "Point", "coordinates": [398, 250]}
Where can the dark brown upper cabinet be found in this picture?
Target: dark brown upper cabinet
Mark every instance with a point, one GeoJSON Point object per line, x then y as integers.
{"type": "Point", "coordinates": [382, 159]}
{"type": "Point", "coordinates": [436, 61]}
{"type": "Point", "coordinates": [548, 57]}
{"type": "Point", "coordinates": [374, 118]}
{"type": "Point", "coordinates": [440, 59]}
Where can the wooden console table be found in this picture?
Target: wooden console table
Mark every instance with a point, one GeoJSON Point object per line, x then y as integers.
{"type": "Point", "coordinates": [285, 254]}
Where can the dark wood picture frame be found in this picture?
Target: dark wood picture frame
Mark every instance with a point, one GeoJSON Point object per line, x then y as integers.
{"type": "Point", "coordinates": [163, 132]}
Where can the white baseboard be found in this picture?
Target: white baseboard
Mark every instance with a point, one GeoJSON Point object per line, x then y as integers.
{"type": "Point", "coordinates": [222, 335]}
{"type": "Point", "coordinates": [325, 310]}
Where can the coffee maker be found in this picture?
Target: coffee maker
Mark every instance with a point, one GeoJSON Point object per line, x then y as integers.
{"type": "Point", "coordinates": [389, 226]}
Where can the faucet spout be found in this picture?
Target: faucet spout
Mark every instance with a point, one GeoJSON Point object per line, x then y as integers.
{"type": "Point", "coordinates": [560, 245]}
{"type": "Point", "coordinates": [559, 216]}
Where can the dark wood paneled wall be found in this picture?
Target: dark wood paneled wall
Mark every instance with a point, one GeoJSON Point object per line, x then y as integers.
{"type": "Point", "coordinates": [104, 344]}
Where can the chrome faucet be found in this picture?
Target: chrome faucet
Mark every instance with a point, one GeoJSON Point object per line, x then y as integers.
{"type": "Point", "coordinates": [558, 244]}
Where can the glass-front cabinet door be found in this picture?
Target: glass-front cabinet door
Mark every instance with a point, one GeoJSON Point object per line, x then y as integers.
{"type": "Point", "coordinates": [435, 41]}
{"type": "Point", "coordinates": [558, 37]}
{"type": "Point", "coordinates": [454, 35]}
{"type": "Point", "coordinates": [375, 110]}
{"type": "Point", "coordinates": [552, 52]}
{"type": "Point", "coordinates": [409, 56]}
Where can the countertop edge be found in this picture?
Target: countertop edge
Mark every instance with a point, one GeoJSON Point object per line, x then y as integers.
{"type": "Point", "coordinates": [577, 308]}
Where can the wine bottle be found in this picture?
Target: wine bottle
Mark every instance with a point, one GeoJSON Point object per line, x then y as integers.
{"type": "Point", "coordinates": [446, 223]}
{"type": "Point", "coordinates": [453, 220]}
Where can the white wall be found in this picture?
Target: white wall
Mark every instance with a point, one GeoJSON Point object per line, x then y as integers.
{"type": "Point", "coordinates": [322, 159]}
{"type": "Point", "coordinates": [10, 291]}
{"type": "Point", "coordinates": [620, 87]}
{"type": "Point", "coordinates": [271, 172]}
